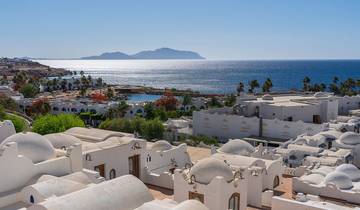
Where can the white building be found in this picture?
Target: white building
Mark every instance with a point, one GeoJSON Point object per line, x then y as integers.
{"type": "Point", "coordinates": [282, 117]}
{"type": "Point", "coordinates": [341, 182]}
{"type": "Point", "coordinates": [224, 180]}
{"type": "Point", "coordinates": [24, 157]}
{"type": "Point", "coordinates": [6, 129]}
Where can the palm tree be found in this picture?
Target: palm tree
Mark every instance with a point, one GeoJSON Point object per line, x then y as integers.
{"type": "Point", "coordinates": [63, 84]}
{"type": "Point", "coordinates": [306, 84]}
{"type": "Point", "coordinates": [335, 80]}
{"type": "Point", "coordinates": [99, 82]}
{"type": "Point", "coordinates": [240, 88]}
{"type": "Point", "coordinates": [77, 83]}
{"type": "Point", "coordinates": [253, 84]}
{"type": "Point", "coordinates": [267, 85]}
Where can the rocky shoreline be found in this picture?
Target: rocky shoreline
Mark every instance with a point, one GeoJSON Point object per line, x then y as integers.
{"type": "Point", "coordinates": [12, 66]}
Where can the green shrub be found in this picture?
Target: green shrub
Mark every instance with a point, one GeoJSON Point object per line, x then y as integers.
{"type": "Point", "coordinates": [19, 123]}
{"type": "Point", "coordinates": [149, 129]}
{"type": "Point", "coordinates": [56, 123]}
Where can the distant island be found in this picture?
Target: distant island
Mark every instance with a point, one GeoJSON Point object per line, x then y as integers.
{"type": "Point", "coordinates": [161, 53]}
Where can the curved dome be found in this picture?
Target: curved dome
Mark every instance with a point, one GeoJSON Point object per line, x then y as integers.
{"type": "Point", "coordinates": [350, 138]}
{"type": "Point", "coordinates": [237, 147]}
{"type": "Point", "coordinates": [320, 94]}
{"type": "Point", "coordinates": [313, 179]}
{"type": "Point", "coordinates": [61, 140]}
{"type": "Point", "coordinates": [161, 145]}
{"type": "Point", "coordinates": [354, 120]}
{"type": "Point", "coordinates": [341, 180]}
{"type": "Point", "coordinates": [349, 169]}
{"type": "Point", "coordinates": [32, 145]}
{"type": "Point", "coordinates": [207, 169]}
{"type": "Point", "coordinates": [323, 170]}
{"type": "Point", "coordinates": [267, 97]}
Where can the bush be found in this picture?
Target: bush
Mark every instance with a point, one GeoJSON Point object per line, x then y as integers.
{"type": "Point", "coordinates": [29, 90]}
{"type": "Point", "coordinates": [149, 129]}
{"type": "Point", "coordinates": [56, 123]}
{"type": "Point", "coordinates": [19, 123]}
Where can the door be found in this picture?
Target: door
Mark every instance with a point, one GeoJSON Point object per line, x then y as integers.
{"type": "Point", "coordinates": [316, 119]}
{"type": "Point", "coordinates": [100, 169]}
{"type": "Point", "coordinates": [134, 165]}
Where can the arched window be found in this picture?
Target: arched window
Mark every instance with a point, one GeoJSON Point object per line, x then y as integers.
{"type": "Point", "coordinates": [32, 200]}
{"type": "Point", "coordinates": [234, 202]}
{"type": "Point", "coordinates": [112, 174]}
{"type": "Point", "coordinates": [276, 182]}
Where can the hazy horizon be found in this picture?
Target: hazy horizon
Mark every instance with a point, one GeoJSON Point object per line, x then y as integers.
{"type": "Point", "coordinates": [217, 30]}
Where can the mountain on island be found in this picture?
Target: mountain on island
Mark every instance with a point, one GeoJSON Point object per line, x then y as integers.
{"type": "Point", "coordinates": [109, 56]}
{"type": "Point", "coordinates": [161, 53]}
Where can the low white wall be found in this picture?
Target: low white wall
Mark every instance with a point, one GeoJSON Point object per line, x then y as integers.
{"type": "Point", "coordinates": [6, 129]}
{"type": "Point", "coordinates": [165, 179]}
{"type": "Point", "coordinates": [279, 203]}
{"type": "Point", "coordinates": [225, 126]}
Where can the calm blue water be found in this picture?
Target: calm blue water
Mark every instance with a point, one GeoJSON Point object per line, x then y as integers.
{"type": "Point", "coordinates": [143, 97]}
{"type": "Point", "coordinates": [211, 76]}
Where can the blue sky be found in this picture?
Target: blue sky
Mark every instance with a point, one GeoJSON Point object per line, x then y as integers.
{"type": "Point", "coordinates": [217, 29]}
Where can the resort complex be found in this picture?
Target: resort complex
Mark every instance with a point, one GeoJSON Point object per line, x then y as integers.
{"type": "Point", "coordinates": [83, 146]}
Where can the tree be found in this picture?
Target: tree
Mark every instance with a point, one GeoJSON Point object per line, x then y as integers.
{"type": "Point", "coordinates": [39, 107]}
{"type": "Point", "coordinates": [214, 103]}
{"type": "Point", "coordinates": [109, 93]}
{"type": "Point", "coordinates": [240, 88]}
{"type": "Point", "coordinates": [149, 110]}
{"type": "Point", "coordinates": [98, 97]}
{"type": "Point", "coordinates": [152, 129]}
{"type": "Point", "coordinates": [267, 85]}
{"type": "Point", "coordinates": [118, 111]}
{"type": "Point", "coordinates": [168, 101]}
{"type": "Point", "coordinates": [230, 100]}
{"type": "Point", "coordinates": [63, 84]}
{"type": "Point", "coordinates": [306, 84]}
{"type": "Point", "coordinates": [186, 100]}
{"type": "Point", "coordinates": [99, 82]}
{"type": "Point", "coordinates": [253, 84]}
{"type": "Point", "coordinates": [6, 101]}
{"type": "Point", "coordinates": [56, 123]}
{"type": "Point", "coordinates": [29, 90]}
{"type": "Point", "coordinates": [148, 129]}
{"type": "Point", "coordinates": [19, 80]}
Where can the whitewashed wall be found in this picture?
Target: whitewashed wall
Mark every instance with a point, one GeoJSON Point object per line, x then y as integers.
{"type": "Point", "coordinates": [216, 194]}
{"type": "Point", "coordinates": [225, 126]}
{"type": "Point", "coordinates": [6, 129]}
{"type": "Point", "coordinates": [347, 103]}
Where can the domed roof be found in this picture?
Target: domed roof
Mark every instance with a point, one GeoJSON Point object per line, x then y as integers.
{"type": "Point", "coordinates": [32, 145]}
{"type": "Point", "coordinates": [208, 168]}
{"type": "Point", "coordinates": [161, 145]}
{"type": "Point", "coordinates": [61, 140]}
{"type": "Point", "coordinates": [313, 179]}
{"type": "Point", "coordinates": [350, 138]}
{"type": "Point", "coordinates": [341, 180]}
{"type": "Point", "coordinates": [349, 169]}
{"type": "Point", "coordinates": [320, 94]}
{"type": "Point", "coordinates": [267, 97]}
{"type": "Point", "coordinates": [237, 147]}
{"type": "Point", "coordinates": [323, 170]}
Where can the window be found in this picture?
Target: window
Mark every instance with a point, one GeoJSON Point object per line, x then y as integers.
{"type": "Point", "coordinates": [148, 158]}
{"type": "Point", "coordinates": [196, 196]}
{"type": "Point", "coordinates": [56, 109]}
{"type": "Point", "coordinates": [234, 202]}
{"type": "Point", "coordinates": [32, 200]}
{"type": "Point", "coordinates": [112, 174]}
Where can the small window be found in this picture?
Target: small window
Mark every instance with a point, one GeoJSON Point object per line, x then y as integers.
{"type": "Point", "coordinates": [234, 202]}
{"type": "Point", "coordinates": [196, 196]}
{"type": "Point", "coordinates": [148, 158]}
{"type": "Point", "coordinates": [276, 182]}
{"type": "Point", "coordinates": [112, 174]}
{"type": "Point", "coordinates": [32, 200]}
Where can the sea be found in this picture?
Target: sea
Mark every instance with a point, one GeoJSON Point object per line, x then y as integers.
{"type": "Point", "coordinates": [212, 76]}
